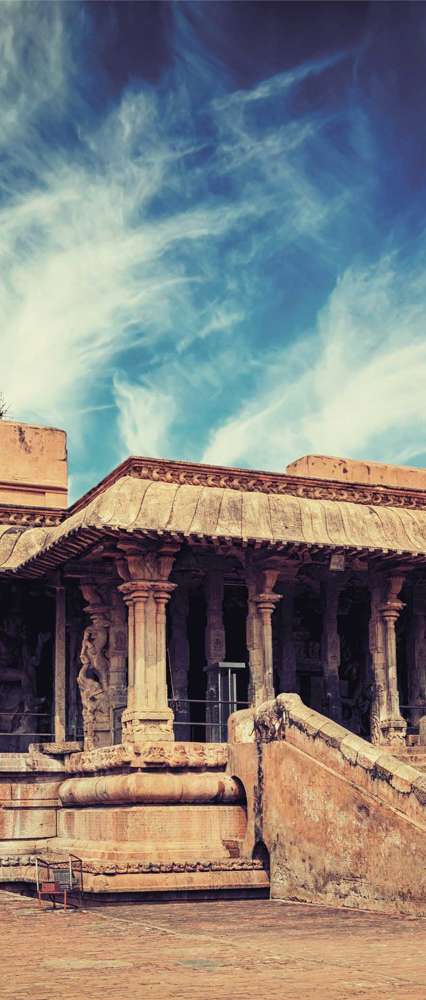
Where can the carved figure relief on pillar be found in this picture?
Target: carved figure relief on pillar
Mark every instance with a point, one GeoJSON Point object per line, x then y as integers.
{"type": "Point", "coordinates": [93, 678]}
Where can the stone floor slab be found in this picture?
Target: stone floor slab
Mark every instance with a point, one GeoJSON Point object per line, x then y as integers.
{"type": "Point", "coordinates": [215, 949]}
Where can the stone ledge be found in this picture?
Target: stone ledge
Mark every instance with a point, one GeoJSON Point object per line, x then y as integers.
{"type": "Point", "coordinates": [274, 719]}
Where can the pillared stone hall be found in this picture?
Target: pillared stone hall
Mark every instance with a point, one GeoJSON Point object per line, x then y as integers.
{"type": "Point", "coordinates": [214, 678]}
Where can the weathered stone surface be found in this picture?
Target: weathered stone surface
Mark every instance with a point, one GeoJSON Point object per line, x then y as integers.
{"type": "Point", "coordinates": [33, 465]}
{"type": "Point", "coordinates": [349, 470]}
{"type": "Point", "coordinates": [343, 821]}
{"type": "Point", "coordinates": [399, 530]}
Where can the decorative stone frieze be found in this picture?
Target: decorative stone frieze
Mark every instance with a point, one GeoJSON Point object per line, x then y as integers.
{"type": "Point", "coordinates": [152, 756]}
{"type": "Point", "coordinates": [254, 481]}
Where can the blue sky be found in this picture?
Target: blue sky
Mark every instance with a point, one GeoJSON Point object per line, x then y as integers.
{"type": "Point", "coordinates": [212, 229]}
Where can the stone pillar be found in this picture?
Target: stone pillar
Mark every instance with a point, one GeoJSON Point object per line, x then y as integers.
{"type": "Point", "coordinates": [287, 660]}
{"type": "Point", "coordinates": [60, 667]}
{"type": "Point", "coordinates": [330, 646]}
{"type": "Point", "coordinates": [179, 658]}
{"type": "Point", "coordinates": [117, 663]}
{"type": "Point", "coordinates": [387, 725]}
{"type": "Point", "coordinates": [215, 647]}
{"type": "Point", "coordinates": [146, 591]}
{"type": "Point", "coordinates": [261, 603]}
{"type": "Point", "coordinates": [93, 679]}
{"type": "Point", "coordinates": [417, 658]}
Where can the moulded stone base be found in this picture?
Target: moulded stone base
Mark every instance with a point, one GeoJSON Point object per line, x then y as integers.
{"type": "Point", "coordinates": [153, 833]}
{"type": "Point", "coordinates": [177, 881]}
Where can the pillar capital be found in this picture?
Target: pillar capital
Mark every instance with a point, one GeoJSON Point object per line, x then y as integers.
{"type": "Point", "coordinates": [391, 610]}
{"type": "Point", "coordinates": [267, 601]}
{"type": "Point", "coordinates": [134, 590]}
{"type": "Point", "coordinates": [137, 563]}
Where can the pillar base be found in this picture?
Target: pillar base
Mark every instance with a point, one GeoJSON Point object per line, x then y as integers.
{"type": "Point", "coordinates": [390, 732]}
{"type": "Point", "coordinates": [141, 725]}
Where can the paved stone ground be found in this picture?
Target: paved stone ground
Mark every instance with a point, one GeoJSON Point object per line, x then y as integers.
{"type": "Point", "coordinates": [217, 949]}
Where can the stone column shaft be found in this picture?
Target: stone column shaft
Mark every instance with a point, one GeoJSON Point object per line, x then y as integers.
{"type": "Point", "coordinates": [180, 657]}
{"type": "Point", "coordinates": [261, 603]}
{"type": "Point", "coordinates": [118, 633]}
{"type": "Point", "coordinates": [330, 646]}
{"type": "Point", "coordinates": [60, 668]}
{"type": "Point", "coordinates": [215, 648]}
{"type": "Point", "coordinates": [417, 664]}
{"type": "Point", "coordinates": [287, 665]}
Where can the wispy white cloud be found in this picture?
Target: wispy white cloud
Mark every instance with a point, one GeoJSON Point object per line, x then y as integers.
{"type": "Point", "coordinates": [354, 387]}
{"type": "Point", "coordinates": [148, 251]}
{"type": "Point", "coordinates": [146, 415]}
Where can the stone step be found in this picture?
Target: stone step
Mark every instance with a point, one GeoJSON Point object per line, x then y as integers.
{"type": "Point", "coordinates": [414, 755]}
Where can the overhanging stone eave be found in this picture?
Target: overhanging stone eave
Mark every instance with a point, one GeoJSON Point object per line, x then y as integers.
{"type": "Point", "coordinates": [82, 539]}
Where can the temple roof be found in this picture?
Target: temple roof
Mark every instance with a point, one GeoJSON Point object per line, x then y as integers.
{"type": "Point", "coordinates": [152, 507]}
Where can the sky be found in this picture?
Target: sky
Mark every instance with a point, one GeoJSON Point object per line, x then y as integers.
{"type": "Point", "coordinates": [212, 229]}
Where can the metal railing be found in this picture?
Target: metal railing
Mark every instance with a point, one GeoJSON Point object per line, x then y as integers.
{"type": "Point", "coordinates": [206, 722]}
{"type": "Point", "coordinates": [197, 720]}
{"type": "Point", "coordinates": [19, 729]}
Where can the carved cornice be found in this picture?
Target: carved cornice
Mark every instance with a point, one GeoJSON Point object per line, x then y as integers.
{"type": "Point", "coordinates": [248, 480]}
{"type": "Point", "coordinates": [30, 517]}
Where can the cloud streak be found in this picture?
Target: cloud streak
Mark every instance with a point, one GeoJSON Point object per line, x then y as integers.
{"type": "Point", "coordinates": [354, 387]}
{"type": "Point", "coordinates": [196, 266]}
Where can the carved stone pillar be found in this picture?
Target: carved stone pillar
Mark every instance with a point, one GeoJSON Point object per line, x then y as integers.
{"type": "Point", "coordinates": [387, 725]}
{"type": "Point", "coordinates": [179, 658]}
{"type": "Point", "coordinates": [287, 659]}
{"type": "Point", "coordinates": [93, 679]}
{"type": "Point", "coordinates": [261, 603]}
{"type": "Point", "coordinates": [215, 647]}
{"type": "Point", "coordinates": [417, 659]}
{"type": "Point", "coordinates": [330, 646]}
{"type": "Point", "coordinates": [146, 591]}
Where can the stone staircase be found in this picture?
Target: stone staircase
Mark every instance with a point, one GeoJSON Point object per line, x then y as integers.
{"type": "Point", "coordinates": [414, 753]}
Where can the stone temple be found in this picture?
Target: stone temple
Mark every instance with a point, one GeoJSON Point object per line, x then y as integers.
{"type": "Point", "coordinates": [214, 679]}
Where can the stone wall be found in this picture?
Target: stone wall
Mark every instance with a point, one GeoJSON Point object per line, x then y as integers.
{"type": "Point", "coordinates": [344, 822]}
{"type": "Point", "coordinates": [33, 465]}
